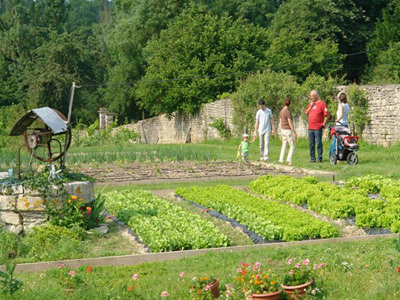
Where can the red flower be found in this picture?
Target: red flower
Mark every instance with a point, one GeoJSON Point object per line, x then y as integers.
{"type": "Point", "coordinates": [245, 265]}
{"type": "Point", "coordinates": [398, 269]}
{"type": "Point", "coordinates": [244, 272]}
{"type": "Point", "coordinates": [131, 289]}
{"type": "Point", "coordinates": [89, 269]}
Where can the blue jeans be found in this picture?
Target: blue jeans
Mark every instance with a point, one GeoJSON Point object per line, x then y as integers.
{"type": "Point", "coordinates": [332, 149]}
{"type": "Point", "coordinates": [315, 135]}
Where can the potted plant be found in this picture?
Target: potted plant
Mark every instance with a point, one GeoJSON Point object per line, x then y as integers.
{"type": "Point", "coordinates": [206, 287]}
{"type": "Point", "coordinates": [256, 283]}
{"type": "Point", "coordinates": [299, 276]}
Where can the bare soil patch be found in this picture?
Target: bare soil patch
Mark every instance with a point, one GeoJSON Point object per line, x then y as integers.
{"type": "Point", "coordinates": [188, 170]}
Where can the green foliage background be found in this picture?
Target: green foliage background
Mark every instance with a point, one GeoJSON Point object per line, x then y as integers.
{"type": "Point", "coordinates": [128, 55]}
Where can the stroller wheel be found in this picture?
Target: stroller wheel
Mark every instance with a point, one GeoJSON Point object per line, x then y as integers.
{"type": "Point", "coordinates": [333, 159]}
{"type": "Point", "coordinates": [352, 158]}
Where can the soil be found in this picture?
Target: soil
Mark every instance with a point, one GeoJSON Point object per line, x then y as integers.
{"type": "Point", "coordinates": [188, 171]}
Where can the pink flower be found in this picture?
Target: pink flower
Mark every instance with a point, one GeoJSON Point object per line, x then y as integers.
{"type": "Point", "coordinates": [135, 276]}
{"type": "Point", "coordinates": [164, 294]}
{"type": "Point", "coordinates": [306, 262]}
{"type": "Point", "coordinates": [322, 265]}
{"type": "Point", "coordinates": [239, 270]}
{"type": "Point", "coordinates": [61, 266]}
{"type": "Point", "coordinates": [181, 274]}
{"type": "Point", "coordinates": [297, 265]}
{"type": "Point", "coordinates": [291, 272]}
{"type": "Point", "coordinates": [315, 267]}
{"type": "Point", "coordinates": [257, 265]}
{"type": "Point", "coordinates": [290, 261]}
{"type": "Point", "coordinates": [72, 273]}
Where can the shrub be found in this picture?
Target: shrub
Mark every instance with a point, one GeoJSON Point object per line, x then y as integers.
{"type": "Point", "coordinates": [222, 128]}
{"type": "Point", "coordinates": [9, 246]}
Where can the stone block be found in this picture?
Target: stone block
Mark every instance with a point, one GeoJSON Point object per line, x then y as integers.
{"type": "Point", "coordinates": [31, 192]}
{"type": "Point", "coordinates": [27, 203]}
{"type": "Point", "coordinates": [102, 230]}
{"type": "Point", "coordinates": [12, 189]}
{"type": "Point", "coordinates": [10, 217]}
{"type": "Point", "coordinates": [81, 189]}
{"type": "Point", "coordinates": [32, 219]}
{"type": "Point", "coordinates": [7, 202]}
{"type": "Point", "coordinates": [17, 229]}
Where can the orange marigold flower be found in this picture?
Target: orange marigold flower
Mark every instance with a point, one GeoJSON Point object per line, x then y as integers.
{"type": "Point", "coordinates": [88, 208]}
{"type": "Point", "coordinates": [69, 200]}
{"type": "Point", "coordinates": [73, 197]}
{"type": "Point", "coordinates": [273, 282]}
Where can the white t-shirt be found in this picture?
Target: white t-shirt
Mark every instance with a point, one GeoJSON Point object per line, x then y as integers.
{"type": "Point", "coordinates": [346, 110]}
{"type": "Point", "coordinates": [264, 120]}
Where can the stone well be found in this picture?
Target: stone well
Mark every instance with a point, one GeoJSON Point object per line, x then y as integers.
{"type": "Point", "coordinates": [21, 209]}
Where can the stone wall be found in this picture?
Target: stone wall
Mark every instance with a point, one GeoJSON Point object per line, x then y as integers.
{"type": "Point", "coordinates": [21, 209]}
{"type": "Point", "coordinates": [184, 129]}
{"type": "Point", "coordinates": [384, 112]}
{"type": "Point", "coordinates": [383, 129]}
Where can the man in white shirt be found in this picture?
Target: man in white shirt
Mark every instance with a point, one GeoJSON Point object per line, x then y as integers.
{"type": "Point", "coordinates": [265, 128]}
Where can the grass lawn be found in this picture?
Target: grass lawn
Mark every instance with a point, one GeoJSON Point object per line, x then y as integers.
{"type": "Point", "coordinates": [50, 246]}
{"type": "Point", "coordinates": [355, 270]}
{"type": "Point", "coordinates": [171, 185]}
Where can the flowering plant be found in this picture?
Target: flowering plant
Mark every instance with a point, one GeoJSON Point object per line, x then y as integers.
{"type": "Point", "coordinates": [201, 287]}
{"type": "Point", "coordinates": [251, 279]}
{"type": "Point", "coordinates": [300, 271]}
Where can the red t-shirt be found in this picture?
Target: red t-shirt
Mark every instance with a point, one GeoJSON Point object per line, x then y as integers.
{"type": "Point", "coordinates": [317, 114]}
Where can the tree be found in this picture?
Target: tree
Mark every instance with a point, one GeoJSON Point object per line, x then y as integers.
{"type": "Point", "coordinates": [63, 59]}
{"type": "Point", "coordinates": [255, 11]}
{"type": "Point", "coordinates": [384, 63]}
{"type": "Point", "coordinates": [302, 37]}
{"type": "Point", "coordinates": [135, 23]}
{"type": "Point", "coordinates": [274, 87]}
{"type": "Point", "coordinates": [208, 53]}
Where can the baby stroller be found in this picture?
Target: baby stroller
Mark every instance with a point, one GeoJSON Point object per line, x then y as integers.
{"type": "Point", "coordinates": [346, 145]}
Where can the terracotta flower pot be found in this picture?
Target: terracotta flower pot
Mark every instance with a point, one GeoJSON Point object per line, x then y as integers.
{"type": "Point", "coordinates": [215, 288]}
{"type": "Point", "coordinates": [269, 296]}
{"type": "Point", "coordinates": [296, 292]}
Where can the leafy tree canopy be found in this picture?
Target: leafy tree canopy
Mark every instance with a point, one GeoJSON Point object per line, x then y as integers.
{"type": "Point", "coordinates": [303, 38]}
{"type": "Point", "coordinates": [198, 46]}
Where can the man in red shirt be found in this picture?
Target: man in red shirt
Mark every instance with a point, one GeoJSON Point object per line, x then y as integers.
{"type": "Point", "coordinates": [318, 114]}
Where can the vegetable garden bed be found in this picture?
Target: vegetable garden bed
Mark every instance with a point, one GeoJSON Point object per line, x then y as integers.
{"type": "Point", "coordinates": [338, 202]}
{"type": "Point", "coordinates": [270, 219]}
{"type": "Point", "coordinates": [161, 225]}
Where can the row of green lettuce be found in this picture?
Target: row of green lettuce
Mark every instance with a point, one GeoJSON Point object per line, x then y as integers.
{"type": "Point", "coordinates": [337, 202]}
{"type": "Point", "coordinates": [269, 219]}
{"type": "Point", "coordinates": [161, 225]}
{"type": "Point", "coordinates": [387, 188]}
